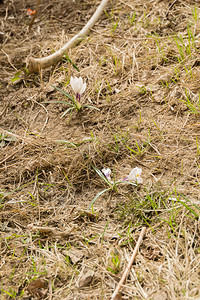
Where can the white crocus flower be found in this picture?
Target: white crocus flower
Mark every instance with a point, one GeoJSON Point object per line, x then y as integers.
{"type": "Point", "coordinates": [135, 176]}
{"type": "Point", "coordinates": [107, 173]}
{"type": "Point", "coordinates": [78, 86]}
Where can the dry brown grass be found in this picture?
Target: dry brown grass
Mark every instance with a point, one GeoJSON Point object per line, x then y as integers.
{"type": "Point", "coordinates": [138, 74]}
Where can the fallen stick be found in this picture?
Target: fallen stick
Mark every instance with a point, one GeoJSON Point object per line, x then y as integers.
{"type": "Point", "coordinates": [114, 295]}
{"type": "Point", "coordinates": [34, 65]}
{"type": "Point", "coordinates": [35, 15]}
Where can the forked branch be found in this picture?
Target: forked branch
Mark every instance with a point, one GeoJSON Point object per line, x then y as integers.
{"type": "Point", "coordinates": [34, 65]}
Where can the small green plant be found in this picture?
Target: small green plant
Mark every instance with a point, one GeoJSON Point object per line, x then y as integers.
{"type": "Point", "coordinates": [12, 294]}
{"type": "Point", "coordinates": [142, 90]}
{"type": "Point", "coordinates": [156, 205]}
{"type": "Point", "coordinates": [195, 14]}
{"type": "Point", "coordinates": [114, 262]}
{"type": "Point", "coordinates": [194, 106]}
{"type": "Point", "coordinates": [19, 75]}
{"type": "Point", "coordinates": [192, 208]}
{"type": "Point", "coordinates": [88, 241]}
{"type": "Point", "coordinates": [133, 179]}
{"type": "Point", "coordinates": [132, 17]}
{"type": "Point", "coordinates": [79, 87]}
{"type": "Point", "coordinates": [117, 64]}
{"type": "Point", "coordinates": [112, 19]}
{"type": "Point", "coordinates": [185, 44]}
{"type": "Point", "coordinates": [138, 151]}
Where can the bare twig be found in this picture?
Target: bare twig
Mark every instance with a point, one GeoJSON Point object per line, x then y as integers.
{"type": "Point", "coordinates": [114, 295]}
{"type": "Point", "coordinates": [9, 60]}
{"type": "Point", "coordinates": [35, 15]}
{"type": "Point", "coordinates": [34, 65]}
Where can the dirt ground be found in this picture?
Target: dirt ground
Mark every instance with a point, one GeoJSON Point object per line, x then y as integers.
{"type": "Point", "coordinates": [141, 64]}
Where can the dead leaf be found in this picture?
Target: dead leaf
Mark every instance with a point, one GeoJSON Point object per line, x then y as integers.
{"type": "Point", "coordinates": [118, 297]}
{"type": "Point", "coordinates": [36, 287]}
{"type": "Point", "coordinates": [152, 253]}
{"type": "Point", "coordinates": [86, 214]}
{"type": "Point", "coordinates": [85, 278]}
{"type": "Point", "coordinates": [160, 295]}
{"type": "Point", "coordinates": [74, 254]}
{"type": "Point", "coordinates": [50, 231]}
{"type": "Point", "coordinates": [49, 89]}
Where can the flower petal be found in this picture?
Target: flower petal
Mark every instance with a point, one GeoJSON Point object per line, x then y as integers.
{"type": "Point", "coordinates": [77, 85]}
{"type": "Point", "coordinates": [73, 82]}
{"type": "Point", "coordinates": [107, 173]}
{"type": "Point", "coordinates": [135, 175]}
{"type": "Point", "coordinates": [83, 88]}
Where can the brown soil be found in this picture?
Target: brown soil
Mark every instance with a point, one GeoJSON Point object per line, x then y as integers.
{"type": "Point", "coordinates": [52, 246]}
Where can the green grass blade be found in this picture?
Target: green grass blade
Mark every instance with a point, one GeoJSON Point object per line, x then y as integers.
{"type": "Point", "coordinates": [101, 175]}
{"type": "Point", "coordinates": [90, 106]}
{"type": "Point", "coordinates": [59, 102]}
{"type": "Point", "coordinates": [189, 208]}
{"type": "Point", "coordinates": [125, 182]}
{"type": "Point", "coordinates": [97, 196]}
{"type": "Point", "coordinates": [18, 188]}
{"type": "Point", "coordinates": [71, 62]}
{"type": "Point", "coordinates": [66, 142]}
{"type": "Point", "coordinates": [63, 92]}
{"type": "Point", "coordinates": [135, 152]}
{"type": "Point", "coordinates": [65, 112]}
{"type": "Point", "coordinates": [9, 294]}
